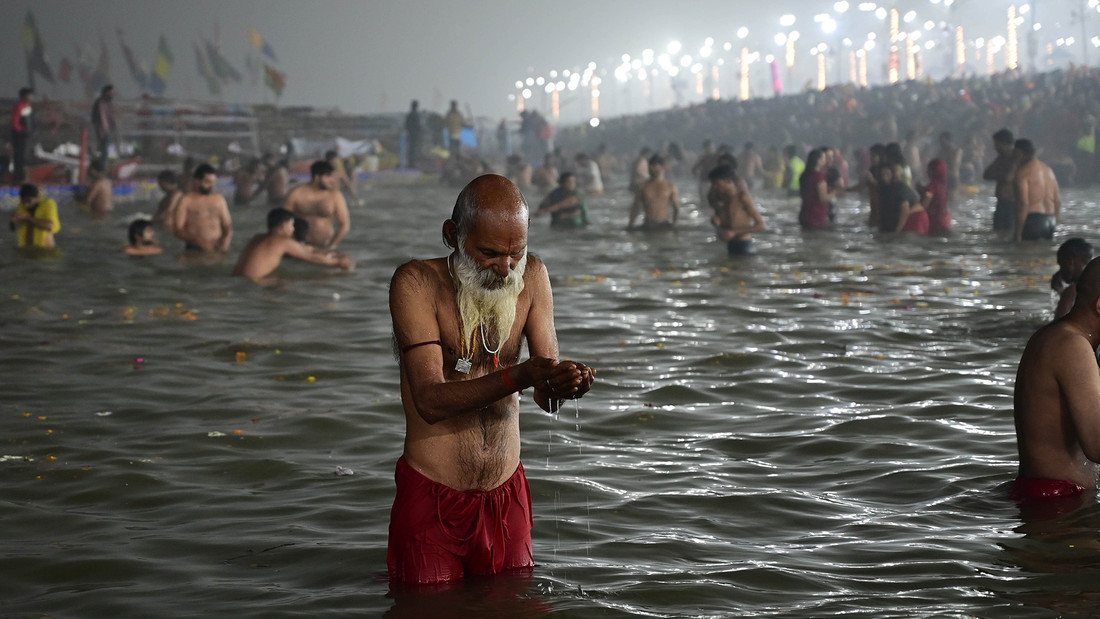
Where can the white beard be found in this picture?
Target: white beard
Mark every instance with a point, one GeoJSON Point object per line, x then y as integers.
{"type": "Point", "coordinates": [486, 299]}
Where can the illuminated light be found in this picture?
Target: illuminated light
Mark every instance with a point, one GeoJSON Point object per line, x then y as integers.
{"type": "Point", "coordinates": [1012, 59]}
{"type": "Point", "coordinates": [1037, 27]}
{"type": "Point", "coordinates": [867, 7]}
{"type": "Point", "coordinates": [705, 52]}
{"type": "Point", "coordinates": [910, 60]}
{"type": "Point", "coordinates": [847, 42]}
{"type": "Point", "coordinates": [674, 47]}
{"type": "Point", "coordinates": [1025, 9]}
{"type": "Point", "coordinates": [715, 93]}
{"type": "Point", "coordinates": [647, 57]}
{"type": "Point", "coordinates": [561, 85]}
{"type": "Point", "coordinates": [685, 61]}
{"type": "Point", "coordinates": [910, 16]}
{"type": "Point", "coordinates": [530, 81]}
{"type": "Point", "coordinates": [821, 17]}
{"type": "Point", "coordinates": [519, 84]}
{"type": "Point", "coordinates": [787, 20]}
{"type": "Point", "coordinates": [555, 105]}
{"type": "Point", "coordinates": [1096, 41]}
{"type": "Point", "coordinates": [526, 93]}
{"type": "Point", "coordinates": [880, 13]}
{"type": "Point", "coordinates": [742, 32]}
{"type": "Point", "coordinates": [863, 70]}
{"type": "Point", "coordinates": [595, 102]}
{"type": "Point", "coordinates": [697, 68]}
{"type": "Point", "coordinates": [673, 71]}
{"type": "Point", "coordinates": [626, 58]}
{"type": "Point", "coordinates": [840, 7]}
{"type": "Point", "coordinates": [781, 39]}
{"type": "Point", "coordinates": [928, 25]}
{"type": "Point", "coordinates": [1070, 41]}
{"type": "Point", "coordinates": [821, 72]}
{"type": "Point", "coordinates": [868, 46]}
{"type": "Point", "coordinates": [793, 36]}
{"type": "Point", "coordinates": [698, 83]}
{"type": "Point", "coordinates": [708, 42]}
{"type": "Point", "coordinates": [828, 26]}
{"type": "Point", "coordinates": [554, 74]}
{"type": "Point", "coordinates": [540, 81]}
{"type": "Point", "coordinates": [929, 44]}
{"type": "Point", "coordinates": [853, 69]}
{"type": "Point", "coordinates": [727, 46]}
{"type": "Point", "coordinates": [636, 64]}
{"type": "Point", "coordinates": [592, 66]}
{"type": "Point", "coordinates": [595, 122]}
{"type": "Point", "coordinates": [871, 36]}
{"type": "Point", "coordinates": [790, 52]}
{"type": "Point", "coordinates": [894, 60]}
{"type": "Point", "coordinates": [549, 88]}
{"type": "Point", "coordinates": [960, 50]}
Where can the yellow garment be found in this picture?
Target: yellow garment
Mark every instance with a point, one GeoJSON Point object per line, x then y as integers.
{"type": "Point", "coordinates": [28, 235]}
{"type": "Point", "coordinates": [1087, 143]}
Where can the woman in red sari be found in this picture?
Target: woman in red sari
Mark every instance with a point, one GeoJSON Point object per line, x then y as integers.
{"type": "Point", "coordinates": [934, 197]}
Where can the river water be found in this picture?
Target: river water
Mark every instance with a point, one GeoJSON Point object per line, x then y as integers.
{"type": "Point", "coordinates": [824, 429]}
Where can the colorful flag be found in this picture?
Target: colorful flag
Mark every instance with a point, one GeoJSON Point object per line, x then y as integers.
{"type": "Point", "coordinates": [136, 72]}
{"type": "Point", "coordinates": [202, 63]}
{"type": "Point", "coordinates": [222, 69]}
{"type": "Point", "coordinates": [259, 43]}
{"type": "Point", "coordinates": [274, 79]}
{"type": "Point", "coordinates": [35, 50]}
{"type": "Point", "coordinates": [252, 67]}
{"type": "Point", "coordinates": [162, 68]}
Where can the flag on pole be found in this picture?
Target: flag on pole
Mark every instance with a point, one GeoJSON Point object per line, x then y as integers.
{"type": "Point", "coordinates": [259, 43]}
{"type": "Point", "coordinates": [274, 79]}
{"type": "Point", "coordinates": [35, 50]}
{"type": "Point", "coordinates": [162, 68]}
{"type": "Point", "coordinates": [136, 71]}
{"type": "Point", "coordinates": [221, 67]}
{"type": "Point", "coordinates": [202, 63]}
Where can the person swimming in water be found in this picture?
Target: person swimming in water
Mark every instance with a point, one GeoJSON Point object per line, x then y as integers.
{"type": "Point", "coordinates": [1073, 256]}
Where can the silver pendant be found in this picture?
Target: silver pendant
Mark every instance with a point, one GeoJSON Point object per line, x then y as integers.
{"type": "Point", "coordinates": [463, 365]}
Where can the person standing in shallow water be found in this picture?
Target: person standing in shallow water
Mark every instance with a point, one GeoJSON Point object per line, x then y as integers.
{"type": "Point", "coordinates": [463, 506]}
{"type": "Point", "coordinates": [657, 198]}
{"type": "Point", "coordinates": [735, 215]}
{"type": "Point", "coordinates": [813, 186]}
{"type": "Point", "coordinates": [1003, 172]}
{"type": "Point", "coordinates": [1038, 201]}
{"type": "Point", "coordinates": [1056, 411]}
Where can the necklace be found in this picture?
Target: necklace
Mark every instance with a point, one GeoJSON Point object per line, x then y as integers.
{"type": "Point", "coordinates": [464, 363]}
{"type": "Point", "coordinates": [485, 345]}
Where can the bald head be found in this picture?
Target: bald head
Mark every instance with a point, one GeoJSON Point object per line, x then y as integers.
{"type": "Point", "coordinates": [1088, 286]}
{"type": "Point", "coordinates": [489, 194]}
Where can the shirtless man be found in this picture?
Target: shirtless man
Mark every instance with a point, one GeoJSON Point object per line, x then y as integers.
{"type": "Point", "coordinates": [752, 166]}
{"type": "Point", "coordinates": [201, 219]}
{"type": "Point", "coordinates": [277, 181]}
{"type": "Point", "coordinates": [1038, 202]}
{"type": "Point", "coordinates": [321, 203]}
{"type": "Point", "coordinates": [654, 197]}
{"type": "Point", "coordinates": [463, 506]}
{"type": "Point", "coordinates": [264, 252]}
{"type": "Point", "coordinates": [166, 208]}
{"type": "Point", "coordinates": [1003, 172]}
{"type": "Point", "coordinates": [735, 215]}
{"type": "Point", "coordinates": [98, 196]}
{"type": "Point", "coordinates": [1055, 405]}
{"type": "Point", "coordinates": [340, 175]}
{"type": "Point", "coordinates": [1073, 256]}
{"type": "Point", "coordinates": [246, 183]}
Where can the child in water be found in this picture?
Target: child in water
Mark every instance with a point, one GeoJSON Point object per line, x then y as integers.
{"type": "Point", "coordinates": [143, 239]}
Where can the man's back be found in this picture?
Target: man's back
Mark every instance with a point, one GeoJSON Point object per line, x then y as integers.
{"type": "Point", "coordinates": [1056, 407]}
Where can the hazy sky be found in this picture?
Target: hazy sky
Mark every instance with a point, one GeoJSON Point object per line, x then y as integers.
{"type": "Point", "coordinates": [374, 55]}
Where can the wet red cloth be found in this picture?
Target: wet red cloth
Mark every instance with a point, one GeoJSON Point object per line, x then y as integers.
{"type": "Point", "coordinates": [1041, 488]}
{"type": "Point", "coordinates": [917, 222]}
{"type": "Point", "coordinates": [439, 534]}
{"type": "Point", "coordinates": [939, 219]}
{"type": "Point", "coordinates": [814, 214]}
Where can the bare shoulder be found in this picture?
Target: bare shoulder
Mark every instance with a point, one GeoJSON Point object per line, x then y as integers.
{"type": "Point", "coordinates": [417, 275]}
